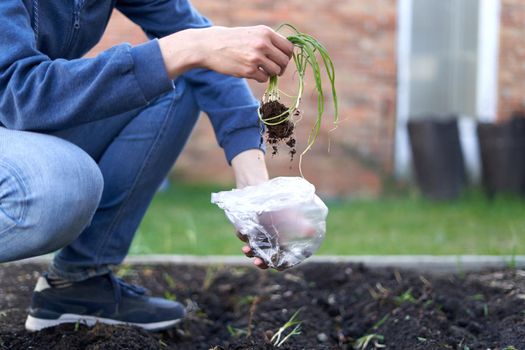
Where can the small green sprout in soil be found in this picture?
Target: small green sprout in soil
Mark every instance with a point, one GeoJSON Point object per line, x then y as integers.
{"type": "Point", "coordinates": [278, 340]}
{"type": "Point", "coordinates": [170, 296]}
{"type": "Point", "coordinates": [169, 280]}
{"type": "Point", "coordinates": [382, 292]}
{"type": "Point", "coordinates": [381, 322]}
{"type": "Point", "coordinates": [124, 270]}
{"type": "Point", "coordinates": [238, 271]}
{"type": "Point", "coordinates": [255, 302]}
{"type": "Point", "coordinates": [428, 303]}
{"type": "Point", "coordinates": [278, 118]}
{"type": "Point", "coordinates": [478, 297]}
{"type": "Point", "coordinates": [201, 314]}
{"type": "Point", "coordinates": [247, 300]}
{"type": "Point", "coordinates": [211, 273]}
{"type": "Point", "coordinates": [512, 262]}
{"type": "Point", "coordinates": [405, 297]}
{"type": "Point", "coordinates": [236, 332]}
{"type": "Point", "coordinates": [362, 343]}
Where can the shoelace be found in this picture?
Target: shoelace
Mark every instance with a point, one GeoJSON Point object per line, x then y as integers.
{"type": "Point", "coordinates": [120, 285]}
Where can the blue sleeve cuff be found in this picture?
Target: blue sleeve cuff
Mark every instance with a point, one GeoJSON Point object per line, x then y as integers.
{"type": "Point", "coordinates": [242, 140]}
{"type": "Point", "coordinates": [150, 70]}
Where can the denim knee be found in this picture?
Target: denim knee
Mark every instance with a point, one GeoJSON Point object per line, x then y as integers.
{"type": "Point", "coordinates": [71, 193]}
{"type": "Point", "coordinates": [54, 193]}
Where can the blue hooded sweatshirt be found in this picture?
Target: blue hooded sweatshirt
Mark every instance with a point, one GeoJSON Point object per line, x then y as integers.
{"type": "Point", "coordinates": [46, 85]}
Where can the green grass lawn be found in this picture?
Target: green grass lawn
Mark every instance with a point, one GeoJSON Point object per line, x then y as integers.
{"type": "Point", "coordinates": [183, 221]}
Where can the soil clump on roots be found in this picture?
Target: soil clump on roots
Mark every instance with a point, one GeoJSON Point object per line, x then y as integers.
{"type": "Point", "coordinates": [281, 132]}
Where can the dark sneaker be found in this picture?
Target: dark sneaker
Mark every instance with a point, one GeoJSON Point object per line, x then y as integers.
{"type": "Point", "coordinates": [105, 299]}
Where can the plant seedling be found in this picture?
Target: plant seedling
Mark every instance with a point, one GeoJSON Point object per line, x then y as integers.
{"type": "Point", "coordinates": [477, 297]}
{"type": "Point", "coordinates": [124, 271]}
{"type": "Point", "coordinates": [255, 301]}
{"type": "Point", "coordinates": [169, 280]}
{"type": "Point", "coordinates": [381, 322]}
{"type": "Point", "coordinates": [362, 343]}
{"type": "Point", "coordinates": [170, 296]}
{"type": "Point", "coordinates": [512, 264]}
{"type": "Point", "coordinates": [277, 339]}
{"type": "Point", "coordinates": [405, 297]}
{"type": "Point", "coordinates": [247, 300]}
{"type": "Point", "coordinates": [236, 332]}
{"type": "Point", "coordinates": [428, 303]}
{"type": "Point", "coordinates": [480, 297]}
{"type": "Point", "coordinates": [211, 272]}
{"type": "Point", "coordinates": [276, 116]}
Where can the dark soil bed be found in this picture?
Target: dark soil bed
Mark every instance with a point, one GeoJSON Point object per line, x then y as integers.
{"type": "Point", "coordinates": [240, 308]}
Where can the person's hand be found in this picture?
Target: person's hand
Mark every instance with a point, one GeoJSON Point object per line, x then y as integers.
{"type": "Point", "coordinates": [248, 52]}
{"type": "Point", "coordinates": [248, 251]}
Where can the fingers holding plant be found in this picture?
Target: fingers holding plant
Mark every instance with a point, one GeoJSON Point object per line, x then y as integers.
{"type": "Point", "coordinates": [250, 52]}
{"type": "Point", "coordinates": [256, 52]}
{"type": "Point", "coordinates": [270, 49]}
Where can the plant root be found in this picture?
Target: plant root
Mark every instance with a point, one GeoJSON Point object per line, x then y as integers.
{"type": "Point", "coordinates": [279, 128]}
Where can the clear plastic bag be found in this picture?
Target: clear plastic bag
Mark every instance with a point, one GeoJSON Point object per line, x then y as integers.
{"type": "Point", "coordinates": [283, 219]}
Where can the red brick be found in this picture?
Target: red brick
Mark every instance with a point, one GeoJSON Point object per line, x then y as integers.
{"type": "Point", "coordinates": [512, 58]}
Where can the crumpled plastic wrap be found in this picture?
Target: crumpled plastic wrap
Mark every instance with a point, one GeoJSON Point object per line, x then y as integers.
{"type": "Point", "coordinates": [283, 219]}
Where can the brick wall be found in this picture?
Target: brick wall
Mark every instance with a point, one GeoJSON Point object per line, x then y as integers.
{"type": "Point", "coordinates": [512, 58]}
{"type": "Point", "coordinates": [361, 36]}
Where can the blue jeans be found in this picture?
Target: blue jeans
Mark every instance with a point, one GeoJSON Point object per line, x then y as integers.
{"type": "Point", "coordinates": [87, 188]}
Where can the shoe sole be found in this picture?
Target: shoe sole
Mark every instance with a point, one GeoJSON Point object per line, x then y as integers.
{"type": "Point", "coordinates": [34, 324]}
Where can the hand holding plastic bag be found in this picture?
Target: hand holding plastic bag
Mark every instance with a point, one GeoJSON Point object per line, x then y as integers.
{"type": "Point", "coordinates": [283, 219]}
